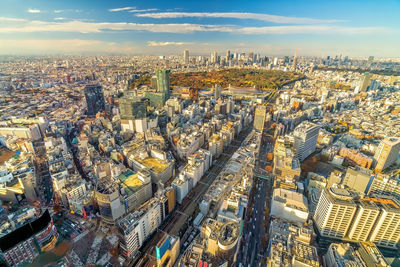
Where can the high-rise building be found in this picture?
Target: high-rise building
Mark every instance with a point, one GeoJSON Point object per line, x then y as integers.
{"type": "Point", "coordinates": [294, 61]}
{"type": "Point", "coordinates": [186, 56]}
{"type": "Point", "coordinates": [251, 56]}
{"type": "Point", "coordinates": [94, 99]}
{"type": "Point", "coordinates": [386, 232]}
{"type": "Point", "coordinates": [259, 118]}
{"type": "Point", "coordinates": [158, 98]}
{"type": "Point", "coordinates": [137, 226]}
{"type": "Point", "coordinates": [305, 139]}
{"type": "Point", "coordinates": [217, 91]}
{"type": "Point", "coordinates": [214, 57]}
{"type": "Point", "coordinates": [365, 81]}
{"type": "Point", "coordinates": [133, 107]}
{"type": "Point", "coordinates": [386, 153]}
{"type": "Point", "coordinates": [163, 81]}
{"type": "Point", "coordinates": [228, 55]}
{"type": "Point", "coordinates": [364, 219]}
{"type": "Point", "coordinates": [334, 213]}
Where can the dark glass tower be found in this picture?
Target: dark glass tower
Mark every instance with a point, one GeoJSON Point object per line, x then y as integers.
{"type": "Point", "coordinates": [94, 99]}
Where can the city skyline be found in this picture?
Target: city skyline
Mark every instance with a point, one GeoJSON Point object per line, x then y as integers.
{"type": "Point", "coordinates": [356, 29]}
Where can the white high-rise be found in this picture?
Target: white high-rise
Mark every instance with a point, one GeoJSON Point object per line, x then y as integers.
{"type": "Point", "coordinates": [305, 139]}
{"type": "Point", "coordinates": [186, 56]}
{"type": "Point", "coordinates": [334, 212]}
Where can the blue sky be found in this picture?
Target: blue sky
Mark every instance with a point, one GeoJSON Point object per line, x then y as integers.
{"type": "Point", "coordinates": [354, 28]}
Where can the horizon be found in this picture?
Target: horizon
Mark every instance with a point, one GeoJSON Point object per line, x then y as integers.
{"type": "Point", "coordinates": [310, 28]}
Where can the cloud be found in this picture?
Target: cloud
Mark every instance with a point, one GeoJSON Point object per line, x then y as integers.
{"type": "Point", "coordinates": [59, 18]}
{"type": "Point", "coordinates": [58, 11]}
{"type": "Point", "coordinates": [182, 28]}
{"type": "Point", "coordinates": [236, 15]}
{"type": "Point", "coordinates": [154, 43]}
{"type": "Point", "coordinates": [32, 10]}
{"type": "Point", "coordinates": [121, 9]}
{"type": "Point", "coordinates": [12, 19]}
{"type": "Point", "coordinates": [142, 10]}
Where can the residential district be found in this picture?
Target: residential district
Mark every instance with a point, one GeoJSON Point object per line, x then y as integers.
{"type": "Point", "coordinates": [97, 169]}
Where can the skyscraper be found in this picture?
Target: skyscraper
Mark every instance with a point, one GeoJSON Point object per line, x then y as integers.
{"type": "Point", "coordinates": [214, 57]}
{"type": "Point", "coordinates": [386, 153]}
{"type": "Point", "coordinates": [365, 81]}
{"type": "Point", "coordinates": [217, 91]}
{"type": "Point", "coordinates": [94, 99]}
{"type": "Point", "coordinates": [228, 55]}
{"type": "Point", "coordinates": [163, 81]}
{"type": "Point", "coordinates": [294, 61]}
{"type": "Point", "coordinates": [259, 118]}
{"type": "Point", "coordinates": [305, 139]}
{"type": "Point", "coordinates": [186, 56]}
{"type": "Point", "coordinates": [158, 98]}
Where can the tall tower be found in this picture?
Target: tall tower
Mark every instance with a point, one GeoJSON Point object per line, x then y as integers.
{"type": "Point", "coordinates": [214, 57]}
{"type": "Point", "coordinates": [163, 81]}
{"type": "Point", "coordinates": [186, 56]}
{"type": "Point", "coordinates": [386, 153]}
{"type": "Point", "coordinates": [259, 118]}
{"type": "Point", "coordinates": [228, 55]}
{"type": "Point", "coordinates": [295, 61]}
{"type": "Point", "coordinates": [94, 99]}
{"type": "Point", "coordinates": [365, 82]}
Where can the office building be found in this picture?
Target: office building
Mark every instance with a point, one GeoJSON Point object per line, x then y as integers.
{"type": "Point", "coordinates": [365, 82]}
{"type": "Point", "coordinates": [289, 205]}
{"type": "Point", "coordinates": [386, 232]}
{"type": "Point", "coordinates": [94, 99]}
{"type": "Point", "coordinates": [385, 185]}
{"type": "Point", "coordinates": [163, 81]}
{"type": "Point", "coordinates": [334, 212]}
{"type": "Point", "coordinates": [259, 118]}
{"type": "Point", "coordinates": [161, 95]}
{"type": "Point", "coordinates": [305, 139]}
{"type": "Point", "coordinates": [24, 244]}
{"type": "Point", "coordinates": [214, 57]}
{"type": "Point", "coordinates": [228, 55]}
{"type": "Point", "coordinates": [109, 200]}
{"type": "Point", "coordinates": [386, 153]}
{"type": "Point", "coordinates": [357, 179]}
{"type": "Point", "coordinates": [364, 219]}
{"type": "Point", "coordinates": [132, 108]}
{"type": "Point", "coordinates": [186, 57]}
{"type": "Point", "coordinates": [137, 226]}
{"type": "Point", "coordinates": [166, 251]}
{"type": "Point", "coordinates": [342, 254]}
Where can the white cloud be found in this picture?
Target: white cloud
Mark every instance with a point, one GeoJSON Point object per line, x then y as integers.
{"type": "Point", "coordinates": [121, 9]}
{"type": "Point", "coordinates": [12, 19]}
{"type": "Point", "coordinates": [235, 15]}
{"type": "Point", "coordinates": [58, 11]}
{"type": "Point", "coordinates": [154, 43]}
{"type": "Point", "coordinates": [32, 10]}
{"type": "Point", "coordinates": [142, 10]}
{"type": "Point", "coordinates": [96, 27]}
{"type": "Point", "coordinates": [59, 18]}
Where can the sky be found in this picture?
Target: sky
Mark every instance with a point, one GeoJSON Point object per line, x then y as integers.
{"type": "Point", "coordinates": [166, 27]}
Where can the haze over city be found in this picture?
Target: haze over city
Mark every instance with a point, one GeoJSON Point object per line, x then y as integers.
{"type": "Point", "coordinates": [312, 28]}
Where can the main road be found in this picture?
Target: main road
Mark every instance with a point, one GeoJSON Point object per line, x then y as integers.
{"type": "Point", "coordinates": [179, 216]}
